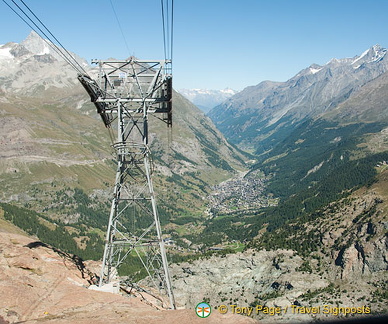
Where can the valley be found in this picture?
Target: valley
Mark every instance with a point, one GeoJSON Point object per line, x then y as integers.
{"type": "Point", "coordinates": [242, 193]}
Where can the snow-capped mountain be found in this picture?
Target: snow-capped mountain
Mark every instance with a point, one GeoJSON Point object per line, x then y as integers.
{"type": "Point", "coordinates": [254, 113]}
{"type": "Point", "coordinates": [207, 99]}
{"type": "Point", "coordinates": [372, 55]}
{"type": "Point", "coordinates": [33, 66]}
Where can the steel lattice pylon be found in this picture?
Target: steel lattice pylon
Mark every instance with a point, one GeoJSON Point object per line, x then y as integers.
{"type": "Point", "coordinates": [126, 93]}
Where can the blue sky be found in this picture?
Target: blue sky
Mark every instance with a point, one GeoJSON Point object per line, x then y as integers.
{"type": "Point", "coordinates": [217, 43]}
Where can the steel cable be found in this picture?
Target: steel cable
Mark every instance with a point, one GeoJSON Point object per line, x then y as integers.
{"type": "Point", "coordinates": [121, 29]}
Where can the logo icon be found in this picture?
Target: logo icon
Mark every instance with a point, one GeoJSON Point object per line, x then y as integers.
{"type": "Point", "coordinates": [203, 310]}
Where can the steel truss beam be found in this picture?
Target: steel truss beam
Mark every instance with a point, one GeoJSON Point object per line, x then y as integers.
{"type": "Point", "coordinates": [127, 92]}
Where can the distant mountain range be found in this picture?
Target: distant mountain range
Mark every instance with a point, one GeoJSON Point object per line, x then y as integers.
{"type": "Point", "coordinates": [255, 117]}
{"type": "Point", "coordinates": [207, 99]}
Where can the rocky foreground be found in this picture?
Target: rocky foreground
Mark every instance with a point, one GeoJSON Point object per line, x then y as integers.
{"type": "Point", "coordinates": [41, 284]}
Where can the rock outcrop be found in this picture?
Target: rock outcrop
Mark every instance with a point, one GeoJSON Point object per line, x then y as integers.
{"type": "Point", "coordinates": [39, 283]}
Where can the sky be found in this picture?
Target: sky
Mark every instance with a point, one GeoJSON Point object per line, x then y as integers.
{"type": "Point", "coordinates": [216, 43]}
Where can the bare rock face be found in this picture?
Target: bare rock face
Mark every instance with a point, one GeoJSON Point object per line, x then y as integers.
{"type": "Point", "coordinates": [362, 259]}
{"type": "Point", "coordinates": [351, 261]}
{"type": "Point", "coordinates": [376, 255]}
{"type": "Point", "coordinates": [268, 278]}
{"type": "Point", "coordinates": [39, 283]}
{"type": "Point", "coordinates": [362, 240]}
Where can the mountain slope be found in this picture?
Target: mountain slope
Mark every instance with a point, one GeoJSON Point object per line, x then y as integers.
{"type": "Point", "coordinates": [369, 104]}
{"type": "Point", "coordinates": [56, 156]}
{"type": "Point", "coordinates": [260, 116]}
{"type": "Point", "coordinates": [318, 146]}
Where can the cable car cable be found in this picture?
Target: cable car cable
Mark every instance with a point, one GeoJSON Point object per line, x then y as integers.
{"type": "Point", "coordinates": [121, 29]}
{"type": "Point", "coordinates": [164, 31]}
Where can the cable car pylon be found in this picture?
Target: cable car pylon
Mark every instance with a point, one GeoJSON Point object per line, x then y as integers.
{"type": "Point", "coordinates": [125, 94]}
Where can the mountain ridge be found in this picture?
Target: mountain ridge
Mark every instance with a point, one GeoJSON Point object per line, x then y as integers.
{"type": "Point", "coordinates": [252, 115]}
